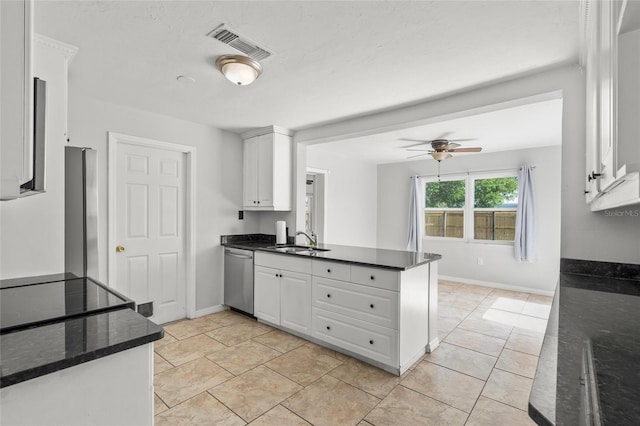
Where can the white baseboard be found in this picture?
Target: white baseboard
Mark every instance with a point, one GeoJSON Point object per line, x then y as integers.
{"type": "Point", "coordinates": [497, 285]}
{"type": "Point", "coordinates": [210, 310]}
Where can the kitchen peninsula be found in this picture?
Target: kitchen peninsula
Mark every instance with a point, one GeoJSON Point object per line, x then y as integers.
{"type": "Point", "coordinates": [71, 350]}
{"type": "Point", "coordinates": [376, 305]}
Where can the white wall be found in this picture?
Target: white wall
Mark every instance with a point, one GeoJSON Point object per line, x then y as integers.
{"type": "Point", "coordinates": [351, 194]}
{"type": "Point", "coordinates": [218, 179]}
{"type": "Point", "coordinates": [459, 258]}
{"type": "Point", "coordinates": [32, 228]}
{"type": "Point", "coordinates": [584, 234]}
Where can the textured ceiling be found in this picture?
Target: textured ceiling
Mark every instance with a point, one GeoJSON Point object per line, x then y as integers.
{"type": "Point", "coordinates": [331, 60]}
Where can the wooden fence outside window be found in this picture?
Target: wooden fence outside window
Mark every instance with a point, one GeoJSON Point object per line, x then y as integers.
{"type": "Point", "coordinates": [495, 225]}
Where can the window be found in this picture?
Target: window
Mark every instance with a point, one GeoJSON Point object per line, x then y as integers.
{"type": "Point", "coordinates": [495, 201]}
{"type": "Point", "coordinates": [472, 207]}
{"type": "Point", "coordinates": [444, 208]}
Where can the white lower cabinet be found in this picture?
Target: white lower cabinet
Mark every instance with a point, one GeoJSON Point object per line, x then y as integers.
{"type": "Point", "coordinates": [295, 299]}
{"type": "Point", "coordinates": [266, 294]}
{"type": "Point", "coordinates": [357, 301]}
{"type": "Point", "coordinates": [361, 337]}
{"type": "Point", "coordinates": [385, 317]}
{"type": "Point", "coordinates": [283, 296]}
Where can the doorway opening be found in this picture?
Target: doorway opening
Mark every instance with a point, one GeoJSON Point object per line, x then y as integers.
{"type": "Point", "coordinates": [315, 203]}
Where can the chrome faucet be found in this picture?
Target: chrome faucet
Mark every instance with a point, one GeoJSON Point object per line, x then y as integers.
{"type": "Point", "coordinates": [313, 239]}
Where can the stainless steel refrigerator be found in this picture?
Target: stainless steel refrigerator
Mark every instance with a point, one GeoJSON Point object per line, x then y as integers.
{"type": "Point", "coordinates": [81, 212]}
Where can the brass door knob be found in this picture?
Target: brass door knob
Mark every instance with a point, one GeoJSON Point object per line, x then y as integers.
{"type": "Point", "coordinates": [119, 249]}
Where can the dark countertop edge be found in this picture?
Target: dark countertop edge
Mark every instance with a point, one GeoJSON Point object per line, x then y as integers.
{"type": "Point", "coordinates": [596, 268]}
{"type": "Point", "coordinates": [34, 372]}
{"type": "Point", "coordinates": [538, 417]}
{"type": "Point", "coordinates": [239, 245]}
{"type": "Point", "coordinates": [570, 272]}
{"type": "Point", "coordinates": [30, 281]}
{"type": "Point", "coordinates": [547, 361]}
{"type": "Point", "coordinates": [40, 279]}
{"type": "Point", "coordinates": [127, 304]}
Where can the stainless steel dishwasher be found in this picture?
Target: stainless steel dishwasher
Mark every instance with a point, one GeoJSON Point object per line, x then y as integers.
{"type": "Point", "coordinates": [238, 279]}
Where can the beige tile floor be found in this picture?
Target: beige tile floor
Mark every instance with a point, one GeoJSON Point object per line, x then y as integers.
{"type": "Point", "coordinates": [226, 369]}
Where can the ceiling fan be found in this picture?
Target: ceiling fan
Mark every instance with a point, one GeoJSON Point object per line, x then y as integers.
{"type": "Point", "coordinates": [441, 148]}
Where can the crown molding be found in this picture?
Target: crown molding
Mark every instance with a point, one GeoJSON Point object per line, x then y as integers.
{"type": "Point", "coordinates": [265, 131]}
{"type": "Point", "coordinates": [69, 51]}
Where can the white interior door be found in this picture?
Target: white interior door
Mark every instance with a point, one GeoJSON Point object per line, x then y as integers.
{"type": "Point", "coordinates": [150, 229]}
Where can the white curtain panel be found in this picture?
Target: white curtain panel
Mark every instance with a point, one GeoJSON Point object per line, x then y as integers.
{"type": "Point", "coordinates": [525, 239]}
{"type": "Point", "coordinates": [416, 215]}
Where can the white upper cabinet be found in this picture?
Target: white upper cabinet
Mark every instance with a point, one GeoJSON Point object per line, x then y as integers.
{"type": "Point", "coordinates": [16, 101]}
{"type": "Point", "coordinates": [611, 57]}
{"type": "Point", "coordinates": [267, 170]}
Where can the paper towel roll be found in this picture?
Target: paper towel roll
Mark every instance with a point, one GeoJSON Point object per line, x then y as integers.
{"type": "Point", "coordinates": [281, 232]}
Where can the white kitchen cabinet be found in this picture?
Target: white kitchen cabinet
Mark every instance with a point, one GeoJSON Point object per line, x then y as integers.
{"type": "Point", "coordinates": [16, 102]}
{"type": "Point", "coordinates": [611, 52]}
{"type": "Point", "coordinates": [266, 291]}
{"type": "Point", "coordinates": [383, 316]}
{"type": "Point", "coordinates": [386, 316]}
{"type": "Point", "coordinates": [357, 301]}
{"type": "Point", "coordinates": [267, 170]}
{"type": "Point", "coordinates": [86, 393]}
{"type": "Point", "coordinates": [295, 306]}
{"type": "Point", "coordinates": [360, 337]}
{"type": "Point", "coordinates": [282, 291]}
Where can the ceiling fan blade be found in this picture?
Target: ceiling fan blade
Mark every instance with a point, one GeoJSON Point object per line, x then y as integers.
{"type": "Point", "coordinates": [426, 143]}
{"type": "Point", "coordinates": [442, 136]}
{"type": "Point", "coordinates": [453, 145]}
{"type": "Point", "coordinates": [460, 140]}
{"type": "Point", "coordinates": [419, 155]}
{"type": "Point", "coordinates": [466, 150]}
{"type": "Point", "coordinates": [415, 149]}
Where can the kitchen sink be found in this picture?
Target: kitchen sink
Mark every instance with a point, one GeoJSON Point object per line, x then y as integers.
{"type": "Point", "coordinates": [297, 249]}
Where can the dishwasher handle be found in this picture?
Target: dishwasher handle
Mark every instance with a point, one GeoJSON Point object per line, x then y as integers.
{"type": "Point", "coordinates": [240, 256]}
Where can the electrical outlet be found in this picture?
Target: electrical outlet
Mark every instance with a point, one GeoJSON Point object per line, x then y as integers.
{"type": "Point", "coordinates": [480, 261]}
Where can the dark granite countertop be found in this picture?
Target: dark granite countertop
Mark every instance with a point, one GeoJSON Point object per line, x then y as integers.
{"type": "Point", "coordinates": [50, 323]}
{"type": "Point", "coordinates": [595, 317]}
{"type": "Point", "coordinates": [380, 258]}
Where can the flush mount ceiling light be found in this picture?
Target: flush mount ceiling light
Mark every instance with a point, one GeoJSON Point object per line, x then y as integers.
{"type": "Point", "coordinates": [238, 69]}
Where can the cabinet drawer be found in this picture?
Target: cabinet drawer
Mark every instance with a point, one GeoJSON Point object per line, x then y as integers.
{"type": "Point", "coordinates": [374, 342]}
{"type": "Point", "coordinates": [284, 262]}
{"type": "Point", "coordinates": [376, 277]}
{"type": "Point", "coordinates": [334, 270]}
{"type": "Point", "coordinates": [357, 301]}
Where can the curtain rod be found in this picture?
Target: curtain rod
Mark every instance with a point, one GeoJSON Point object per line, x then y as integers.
{"type": "Point", "coordinates": [468, 173]}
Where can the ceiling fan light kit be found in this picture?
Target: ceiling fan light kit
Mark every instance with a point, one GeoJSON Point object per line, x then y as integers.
{"type": "Point", "coordinates": [441, 149]}
{"type": "Point", "coordinates": [238, 69]}
{"type": "Point", "coordinates": [440, 155]}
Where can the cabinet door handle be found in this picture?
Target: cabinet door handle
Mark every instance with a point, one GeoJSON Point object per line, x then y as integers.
{"type": "Point", "coordinates": [372, 277]}
{"type": "Point", "coordinates": [328, 328]}
{"type": "Point", "coordinates": [371, 306]}
{"type": "Point", "coordinates": [329, 270]}
{"type": "Point", "coordinates": [593, 176]}
{"type": "Point", "coordinates": [328, 296]}
{"type": "Point", "coordinates": [371, 342]}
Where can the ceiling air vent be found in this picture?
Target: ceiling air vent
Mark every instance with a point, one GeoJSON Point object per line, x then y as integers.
{"type": "Point", "coordinates": [249, 47]}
